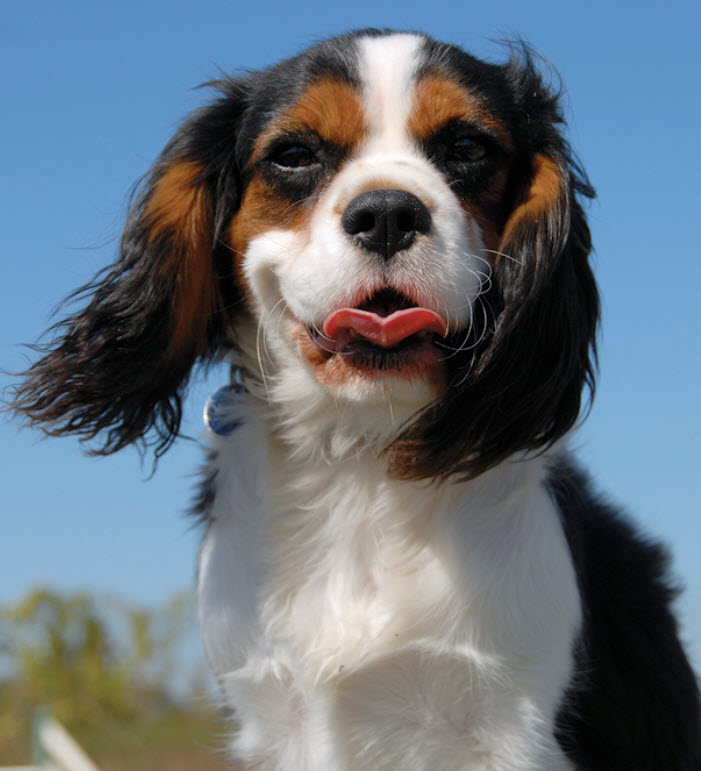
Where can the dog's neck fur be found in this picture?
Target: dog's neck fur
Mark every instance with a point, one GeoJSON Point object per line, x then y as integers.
{"type": "Point", "coordinates": [351, 575]}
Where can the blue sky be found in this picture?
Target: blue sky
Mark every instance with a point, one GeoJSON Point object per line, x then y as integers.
{"type": "Point", "coordinates": [90, 93]}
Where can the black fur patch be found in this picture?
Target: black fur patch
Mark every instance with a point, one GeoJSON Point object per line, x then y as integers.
{"type": "Point", "coordinates": [634, 702]}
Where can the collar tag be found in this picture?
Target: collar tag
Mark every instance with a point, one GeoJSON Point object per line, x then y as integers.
{"type": "Point", "coordinates": [221, 412]}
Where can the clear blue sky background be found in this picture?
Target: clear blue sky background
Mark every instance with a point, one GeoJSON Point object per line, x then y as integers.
{"type": "Point", "coordinates": [91, 91]}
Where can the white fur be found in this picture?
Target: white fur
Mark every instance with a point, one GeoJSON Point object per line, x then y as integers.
{"type": "Point", "coordinates": [362, 623]}
{"type": "Point", "coordinates": [356, 621]}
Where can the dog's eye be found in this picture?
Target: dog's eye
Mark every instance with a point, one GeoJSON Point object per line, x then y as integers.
{"type": "Point", "coordinates": [467, 150]}
{"type": "Point", "coordinates": [293, 156]}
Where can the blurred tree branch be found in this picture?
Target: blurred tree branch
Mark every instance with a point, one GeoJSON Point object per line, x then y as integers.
{"type": "Point", "coordinates": [96, 662]}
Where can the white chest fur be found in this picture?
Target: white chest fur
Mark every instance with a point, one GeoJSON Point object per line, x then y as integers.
{"type": "Point", "coordinates": [359, 622]}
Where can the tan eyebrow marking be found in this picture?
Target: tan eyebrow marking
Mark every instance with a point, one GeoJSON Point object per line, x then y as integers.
{"type": "Point", "coordinates": [331, 108]}
{"type": "Point", "coordinates": [438, 100]}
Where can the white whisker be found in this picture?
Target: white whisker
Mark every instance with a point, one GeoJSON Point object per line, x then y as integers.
{"type": "Point", "coordinates": [504, 255]}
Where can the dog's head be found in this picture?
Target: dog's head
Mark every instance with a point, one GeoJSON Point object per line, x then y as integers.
{"type": "Point", "coordinates": [387, 231]}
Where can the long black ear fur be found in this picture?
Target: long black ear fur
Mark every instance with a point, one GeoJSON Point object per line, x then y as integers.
{"type": "Point", "coordinates": [118, 367]}
{"type": "Point", "coordinates": [519, 386]}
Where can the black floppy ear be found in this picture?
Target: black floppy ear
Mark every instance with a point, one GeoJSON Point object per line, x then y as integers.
{"type": "Point", "coordinates": [545, 337]}
{"type": "Point", "coordinates": [520, 387]}
{"type": "Point", "coordinates": [119, 366]}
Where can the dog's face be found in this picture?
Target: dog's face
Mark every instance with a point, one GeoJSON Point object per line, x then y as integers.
{"type": "Point", "coordinates": [367, 230]}
{"type": "Point", "coordinates": [383, 225]}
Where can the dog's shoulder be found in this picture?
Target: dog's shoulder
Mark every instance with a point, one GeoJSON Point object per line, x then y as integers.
{"type": "Point", "coordinates": [634, 698]}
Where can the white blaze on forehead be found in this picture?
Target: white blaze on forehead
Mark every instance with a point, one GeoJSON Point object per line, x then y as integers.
{"type": "Point", "coordinates": [388, 68]}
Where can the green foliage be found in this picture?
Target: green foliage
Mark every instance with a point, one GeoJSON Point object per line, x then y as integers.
{"type": "Point", "coordinates": [100, 667]}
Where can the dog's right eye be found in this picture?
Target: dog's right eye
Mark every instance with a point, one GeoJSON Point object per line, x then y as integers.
{"type": "Point", "coordinates": [293, 156]}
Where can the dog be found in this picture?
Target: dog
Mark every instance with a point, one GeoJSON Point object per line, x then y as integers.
{"type": "Point", "coordinates": [402, 566]}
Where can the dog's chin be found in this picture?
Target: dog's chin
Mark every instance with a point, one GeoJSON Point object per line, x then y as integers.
{"type": "Point", "coordinates": [412, 372]}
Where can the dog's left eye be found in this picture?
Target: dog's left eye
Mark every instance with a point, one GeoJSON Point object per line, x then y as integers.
{"type": "Point", "coordinates": [467, 150]}
{"type": "Point", "coordinates": [293, 156]}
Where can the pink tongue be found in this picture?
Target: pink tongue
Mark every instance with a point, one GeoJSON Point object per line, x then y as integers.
{"type": "Point", "coordinates": [385, 331]}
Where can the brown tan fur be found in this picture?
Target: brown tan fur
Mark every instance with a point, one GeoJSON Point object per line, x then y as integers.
{"type": "Point", "coordinates": [543, 192]}
{"type": "Point", "coordinates": [180, 209]}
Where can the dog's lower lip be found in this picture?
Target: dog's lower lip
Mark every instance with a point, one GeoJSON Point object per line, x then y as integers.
{"type": "Point", "coordinates": [414, 356]}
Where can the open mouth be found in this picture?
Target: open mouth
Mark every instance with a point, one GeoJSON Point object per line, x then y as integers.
{"type": "Point", "coordinates": [386, 331]}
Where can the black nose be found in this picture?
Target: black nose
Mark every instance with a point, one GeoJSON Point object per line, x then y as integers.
{"type": "Point", "coordinates": [386, 221]}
